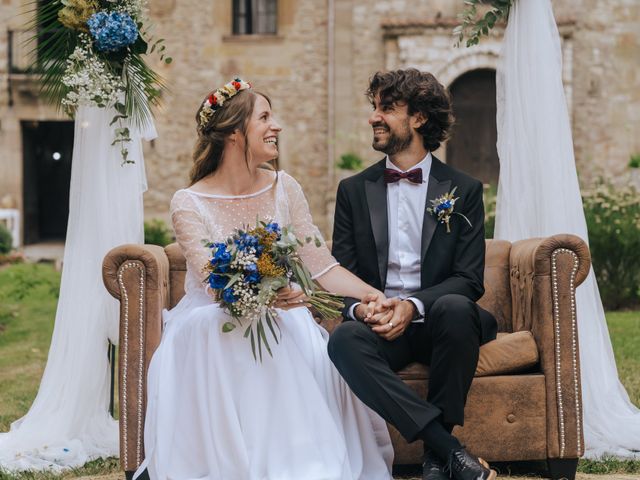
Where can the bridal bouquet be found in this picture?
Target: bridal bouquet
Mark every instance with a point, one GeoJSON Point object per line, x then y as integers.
{"type": "Point", "coordinates": [246, 271]}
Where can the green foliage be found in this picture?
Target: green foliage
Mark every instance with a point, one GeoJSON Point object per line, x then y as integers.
{"type": "Point", "coordinates": [51, 46]}
{"type": "Point", "coordinates": [350, 161]}
{"type": "Point", "coordinates": [94, 469]}
{"type": "Point", "coordinates": [634, 161]}
{"type": "Point", "coordinates": [6, 240]}
{"type": "Point", "coordinates": [613, 221]}
{"type": "Point", "coordinates": [156, 232]}
{"type": "Point", "coordinates": [26, 323]}
{"type": "Point", "coordinates": [490, 195]}
{"type": "Point", "coordinates": [608, 466]}
{"type": "Point", "coordinates": [473, 27]}
{"type": "Point", "coordinates": [624, 330]}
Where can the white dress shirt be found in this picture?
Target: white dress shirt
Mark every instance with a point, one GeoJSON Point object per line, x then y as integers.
{"type": "Point", "coordinates": [406, 204]}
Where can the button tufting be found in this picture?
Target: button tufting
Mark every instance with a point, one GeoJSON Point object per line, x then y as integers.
{"type": "Point", "coordinates": [511, 418]}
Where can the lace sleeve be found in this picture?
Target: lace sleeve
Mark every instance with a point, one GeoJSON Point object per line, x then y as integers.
{"type": "Point", "coordinates": [317, 259]}
{"type": "Point", "coordinates": [190, 230]}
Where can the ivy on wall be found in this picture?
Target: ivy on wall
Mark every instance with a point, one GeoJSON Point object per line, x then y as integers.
{"type": "Point", "coordinates": [472, 26]}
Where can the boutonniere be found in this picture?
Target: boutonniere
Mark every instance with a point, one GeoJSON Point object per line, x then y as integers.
{"type": "Point", "coordinates": [442, 207]}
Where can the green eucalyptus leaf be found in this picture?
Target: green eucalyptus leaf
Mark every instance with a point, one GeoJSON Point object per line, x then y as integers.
{"type": "Point", "coordinates": [233, 279]}
{"type": "Point", "coordinates": [270, 322]}
{"type": "Point", "coordinates": [264, 338]}
{"type": "Point", "coordinates": [253, 345]}
{"type": "Point", "coordinates": [139, 46]}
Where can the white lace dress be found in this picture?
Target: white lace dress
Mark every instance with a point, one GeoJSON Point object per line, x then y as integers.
{"type": "Point", "coordinates": [215, 413]}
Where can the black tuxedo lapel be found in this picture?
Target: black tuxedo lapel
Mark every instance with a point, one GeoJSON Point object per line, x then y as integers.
{"type": "Point", "coordinates": [434, 190]}
{"type": "Point", "coordinates": [376, 191]}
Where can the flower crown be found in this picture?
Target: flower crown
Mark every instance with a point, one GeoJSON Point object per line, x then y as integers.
{"type": "Point", "coordinates": [216, 100]}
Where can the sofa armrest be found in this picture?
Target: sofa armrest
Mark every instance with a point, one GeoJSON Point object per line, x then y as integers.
{"type": "Point", "coordinates": [544, 275]}
{"type": "Point", "coordinates": [138, 276]}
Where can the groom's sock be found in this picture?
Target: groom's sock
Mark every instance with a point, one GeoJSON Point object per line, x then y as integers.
{"type": "Point", "coordinates": [437, 439]}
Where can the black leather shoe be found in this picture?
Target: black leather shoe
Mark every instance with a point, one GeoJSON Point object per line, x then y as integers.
{"type": "Point", "coordinates": [433, 467]}
{"type": "Point", "coordinates": [464, 466]}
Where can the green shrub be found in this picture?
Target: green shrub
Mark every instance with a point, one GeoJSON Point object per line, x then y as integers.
{"type": "Point", "coordinates": [613, 220]}
{"type": "Point", "coordinates": [156, 232]}
{"type": "Point", "coordinates": [490, 195]}
{"type": "Point", "coordinates": [6, 241]}
{"type": "Point", "coordinates": [350, 161]}
{"type": "Point", "coordinates": [634, 161]}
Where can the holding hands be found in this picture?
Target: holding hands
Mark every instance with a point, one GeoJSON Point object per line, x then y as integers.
{"type": "Point", "coordinates": [389, 318]}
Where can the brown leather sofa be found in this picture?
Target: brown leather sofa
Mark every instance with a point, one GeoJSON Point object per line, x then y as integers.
{"type": "Point", "coordinates": [524, 404]}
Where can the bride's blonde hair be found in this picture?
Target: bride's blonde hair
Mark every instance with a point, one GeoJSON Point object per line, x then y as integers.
{"type": "Point", "coordinates": [234, 115]}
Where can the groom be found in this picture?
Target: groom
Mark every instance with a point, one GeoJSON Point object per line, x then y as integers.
{"type": "Point", "coordinates": [431, 272]}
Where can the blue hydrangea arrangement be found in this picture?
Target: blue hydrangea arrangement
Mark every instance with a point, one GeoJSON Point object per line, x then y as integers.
{"type": "Point", "coordinates": [112, 31]}
{"type": "Point", "coordinates": [94, 56]}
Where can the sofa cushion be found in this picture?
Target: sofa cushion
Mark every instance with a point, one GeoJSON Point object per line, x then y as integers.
{"type": "Point", "coordinates": [509, 353]}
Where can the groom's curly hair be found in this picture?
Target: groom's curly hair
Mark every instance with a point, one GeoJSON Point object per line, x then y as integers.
{"type": "Point", "coordinates": [422, 94]}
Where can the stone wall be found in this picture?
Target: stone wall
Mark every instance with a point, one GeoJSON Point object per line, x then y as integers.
{"type": "Point", "coordinates": [290, 68]}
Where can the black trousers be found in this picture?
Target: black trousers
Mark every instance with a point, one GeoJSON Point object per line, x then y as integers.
{"type": "Point", "coordinates": [448, 341]}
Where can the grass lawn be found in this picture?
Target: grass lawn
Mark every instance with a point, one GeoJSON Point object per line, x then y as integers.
{"type": "Point", "coordinates": [28, 296]}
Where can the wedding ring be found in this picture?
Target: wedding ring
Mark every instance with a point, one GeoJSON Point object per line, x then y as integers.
{"type": "Point", "coordinates": [391, 324]}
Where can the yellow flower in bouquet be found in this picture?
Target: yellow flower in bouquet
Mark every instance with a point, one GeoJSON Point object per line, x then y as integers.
{"type": "Point", "coordinates": [75, 13]}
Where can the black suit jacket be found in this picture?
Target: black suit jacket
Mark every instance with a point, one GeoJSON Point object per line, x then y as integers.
{"type": "Point", "coordinates": [451, 262]}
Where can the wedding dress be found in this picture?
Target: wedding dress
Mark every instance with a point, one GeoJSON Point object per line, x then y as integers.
{"type": "Point", "coordinates": [213, 411]}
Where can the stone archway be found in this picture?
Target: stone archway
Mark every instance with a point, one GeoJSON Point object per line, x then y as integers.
{"type": "Point", "coordinates": [465, 60]}
{"type": "Point", "coordinates": [472, 145]}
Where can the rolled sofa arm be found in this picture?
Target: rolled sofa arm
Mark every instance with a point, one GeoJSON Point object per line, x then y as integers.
{"type": "Point", "coordinates": [138, 276]}
{"type": "Point", "coordinates": [544, 275]}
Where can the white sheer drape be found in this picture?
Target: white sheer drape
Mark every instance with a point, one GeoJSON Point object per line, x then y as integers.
{"type": "Point", "coordinates": [68, 423]}
{"type": "Point", "coordinates": [539, 195]}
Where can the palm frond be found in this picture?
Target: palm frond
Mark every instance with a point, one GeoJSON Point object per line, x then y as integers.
{"type": "Point", "coordinates": [50, 45]}
{"type": "Point", "coordinates": [143, 87]}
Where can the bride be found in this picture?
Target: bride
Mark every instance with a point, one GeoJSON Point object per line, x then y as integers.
{"type": "Point", "coordinates": [213, 412]}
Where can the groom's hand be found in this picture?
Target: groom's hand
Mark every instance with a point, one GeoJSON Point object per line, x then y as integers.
{"type": "Point", "coordinates": [402, 314]}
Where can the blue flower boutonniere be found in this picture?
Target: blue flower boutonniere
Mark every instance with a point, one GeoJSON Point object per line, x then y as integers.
{"type": "Point", "coordinates": [442, 207]}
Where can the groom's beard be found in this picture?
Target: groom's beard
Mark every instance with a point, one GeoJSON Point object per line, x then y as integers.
{"type": "Point", "coordinates": [394, 142]}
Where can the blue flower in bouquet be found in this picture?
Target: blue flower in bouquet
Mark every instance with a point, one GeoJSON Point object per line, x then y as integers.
{"type": "Point", "coordinates": [217, 281]}
{"type": "Point", "coordinates": [246, 241]}
{"type": "Point", "coordinates": [221, 254]}
{"type": "Point", "coordinates": [273, 227]}
{"type": "Point", "coordinates": [252, 273]}
{"type": "Point", "coordinates": [253, 278]}
{"type": "Point", "coordinates": [221, 257]}
{"type": "Point", "coordinates": [112, 31]}
{"type": "Point", "coordinates": [228, 296]}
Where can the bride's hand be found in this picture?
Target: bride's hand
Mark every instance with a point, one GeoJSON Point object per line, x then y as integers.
{"type": "Point", "coordinates": [371, 307]}
{"type": "Point", "coordinates": [289, 298]}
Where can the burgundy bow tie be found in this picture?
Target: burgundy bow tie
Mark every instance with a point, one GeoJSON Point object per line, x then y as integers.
{"type": "Point", "coordinates": [392, 176]}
